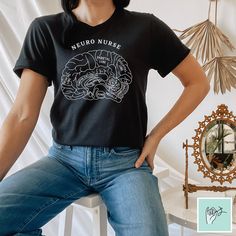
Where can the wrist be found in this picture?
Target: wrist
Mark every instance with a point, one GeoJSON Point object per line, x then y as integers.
{"type": "Point", "coordinates": [154, 134]}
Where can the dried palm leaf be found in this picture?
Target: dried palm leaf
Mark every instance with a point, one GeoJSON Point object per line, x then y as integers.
{"type": "Point", "coordinates": [205, 40]}
{"type": "Point", "coordinates": [223, 71]}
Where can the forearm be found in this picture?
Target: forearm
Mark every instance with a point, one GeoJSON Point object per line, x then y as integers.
{"type": "Point", "coordinates": [190, 98]}
{"type": "Point", "coordinates": [14, 135]}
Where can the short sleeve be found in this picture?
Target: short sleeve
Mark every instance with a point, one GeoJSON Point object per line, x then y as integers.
{"type": "Point", "coordinates": [35, 52]}
{"type": "Point", "coordinates": [167, 50]}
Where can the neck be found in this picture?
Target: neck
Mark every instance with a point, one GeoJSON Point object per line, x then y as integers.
{"type": "Point", "coordinates": [94, 12]}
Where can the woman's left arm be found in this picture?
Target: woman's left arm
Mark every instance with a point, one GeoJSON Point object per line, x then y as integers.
{"type": "Point", "coordinates": [196, 87]}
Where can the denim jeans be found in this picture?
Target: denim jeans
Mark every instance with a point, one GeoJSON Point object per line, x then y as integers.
{"type": "Point", "coordinates": [34, 195]}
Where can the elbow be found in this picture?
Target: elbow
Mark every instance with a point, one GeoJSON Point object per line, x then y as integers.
{"type": "Point", "coordinates": [23, 118]}
{"type": "Point", "coordinates": [203, 84]}
{"type": "Point", "coordinates": [28, 119]}
{"type": "Point", "coordinates": [201, 87]}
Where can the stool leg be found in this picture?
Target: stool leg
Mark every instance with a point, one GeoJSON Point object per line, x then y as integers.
{"type": "Point", "coordinates": [65, 222]}
{"type": "Point", "coordinates": [100, 221]}
{"type": "Point", "coordinates": [181, 230]}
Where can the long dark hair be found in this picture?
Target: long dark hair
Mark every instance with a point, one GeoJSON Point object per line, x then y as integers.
{"type": "Point", "coordinates": [69, 5]}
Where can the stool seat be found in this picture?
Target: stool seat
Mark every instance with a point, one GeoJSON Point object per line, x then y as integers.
{"type": "Point", "coordinates": [90, 201]}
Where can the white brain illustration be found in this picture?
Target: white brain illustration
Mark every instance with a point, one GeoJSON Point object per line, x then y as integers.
{"type": "Point", "coordinates": [97, 74]}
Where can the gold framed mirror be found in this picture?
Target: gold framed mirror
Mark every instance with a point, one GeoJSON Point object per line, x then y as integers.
{"type": "Point", "coordinates": [214, 150]}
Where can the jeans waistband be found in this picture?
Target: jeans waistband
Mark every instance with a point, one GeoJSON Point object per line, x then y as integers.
{"type": "Point", "coordinates": [98, 148]}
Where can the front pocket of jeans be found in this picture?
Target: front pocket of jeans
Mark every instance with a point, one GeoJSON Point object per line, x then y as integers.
{"type": "Point", "coordinates": [124, 151]}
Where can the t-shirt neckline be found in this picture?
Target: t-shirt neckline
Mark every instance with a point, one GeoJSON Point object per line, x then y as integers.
{"type": "Point", "coordinates": [99, 26]}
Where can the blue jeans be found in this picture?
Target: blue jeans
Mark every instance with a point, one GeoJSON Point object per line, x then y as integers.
{"type": "Point", "coordinates": [35, 194]}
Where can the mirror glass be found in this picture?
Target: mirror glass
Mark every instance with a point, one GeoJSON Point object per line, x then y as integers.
{"type": "Point", "coordinates": [218, 146]}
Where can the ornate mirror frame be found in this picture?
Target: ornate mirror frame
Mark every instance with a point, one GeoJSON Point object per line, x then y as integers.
{"type": "Point", "coordinates": [225, 173]}
{"type": "Point", "coordinates": [222, 115]}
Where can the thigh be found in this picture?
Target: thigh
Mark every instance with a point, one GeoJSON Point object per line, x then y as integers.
{"type": "Point", "coordinates": [32, 196]}
{"type": "Point", "coordinates": [134, 204]}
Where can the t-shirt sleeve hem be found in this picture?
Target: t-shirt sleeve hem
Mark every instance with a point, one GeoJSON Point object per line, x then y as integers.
{"type": "Point", "coordinates": [175, 63]}
{"type": "Point", "coordinates": [18, 69]}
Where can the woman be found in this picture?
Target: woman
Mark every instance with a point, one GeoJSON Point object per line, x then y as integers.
{"type": "Point", "coordinates": [97, 55]}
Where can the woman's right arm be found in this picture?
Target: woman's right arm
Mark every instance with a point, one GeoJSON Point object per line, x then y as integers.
{"type": "Point", "coordinates": [21, 119]}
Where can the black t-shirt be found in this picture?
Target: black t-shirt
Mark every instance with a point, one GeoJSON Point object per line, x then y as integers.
{"type": "Point", "coordinates": [100, 73]}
